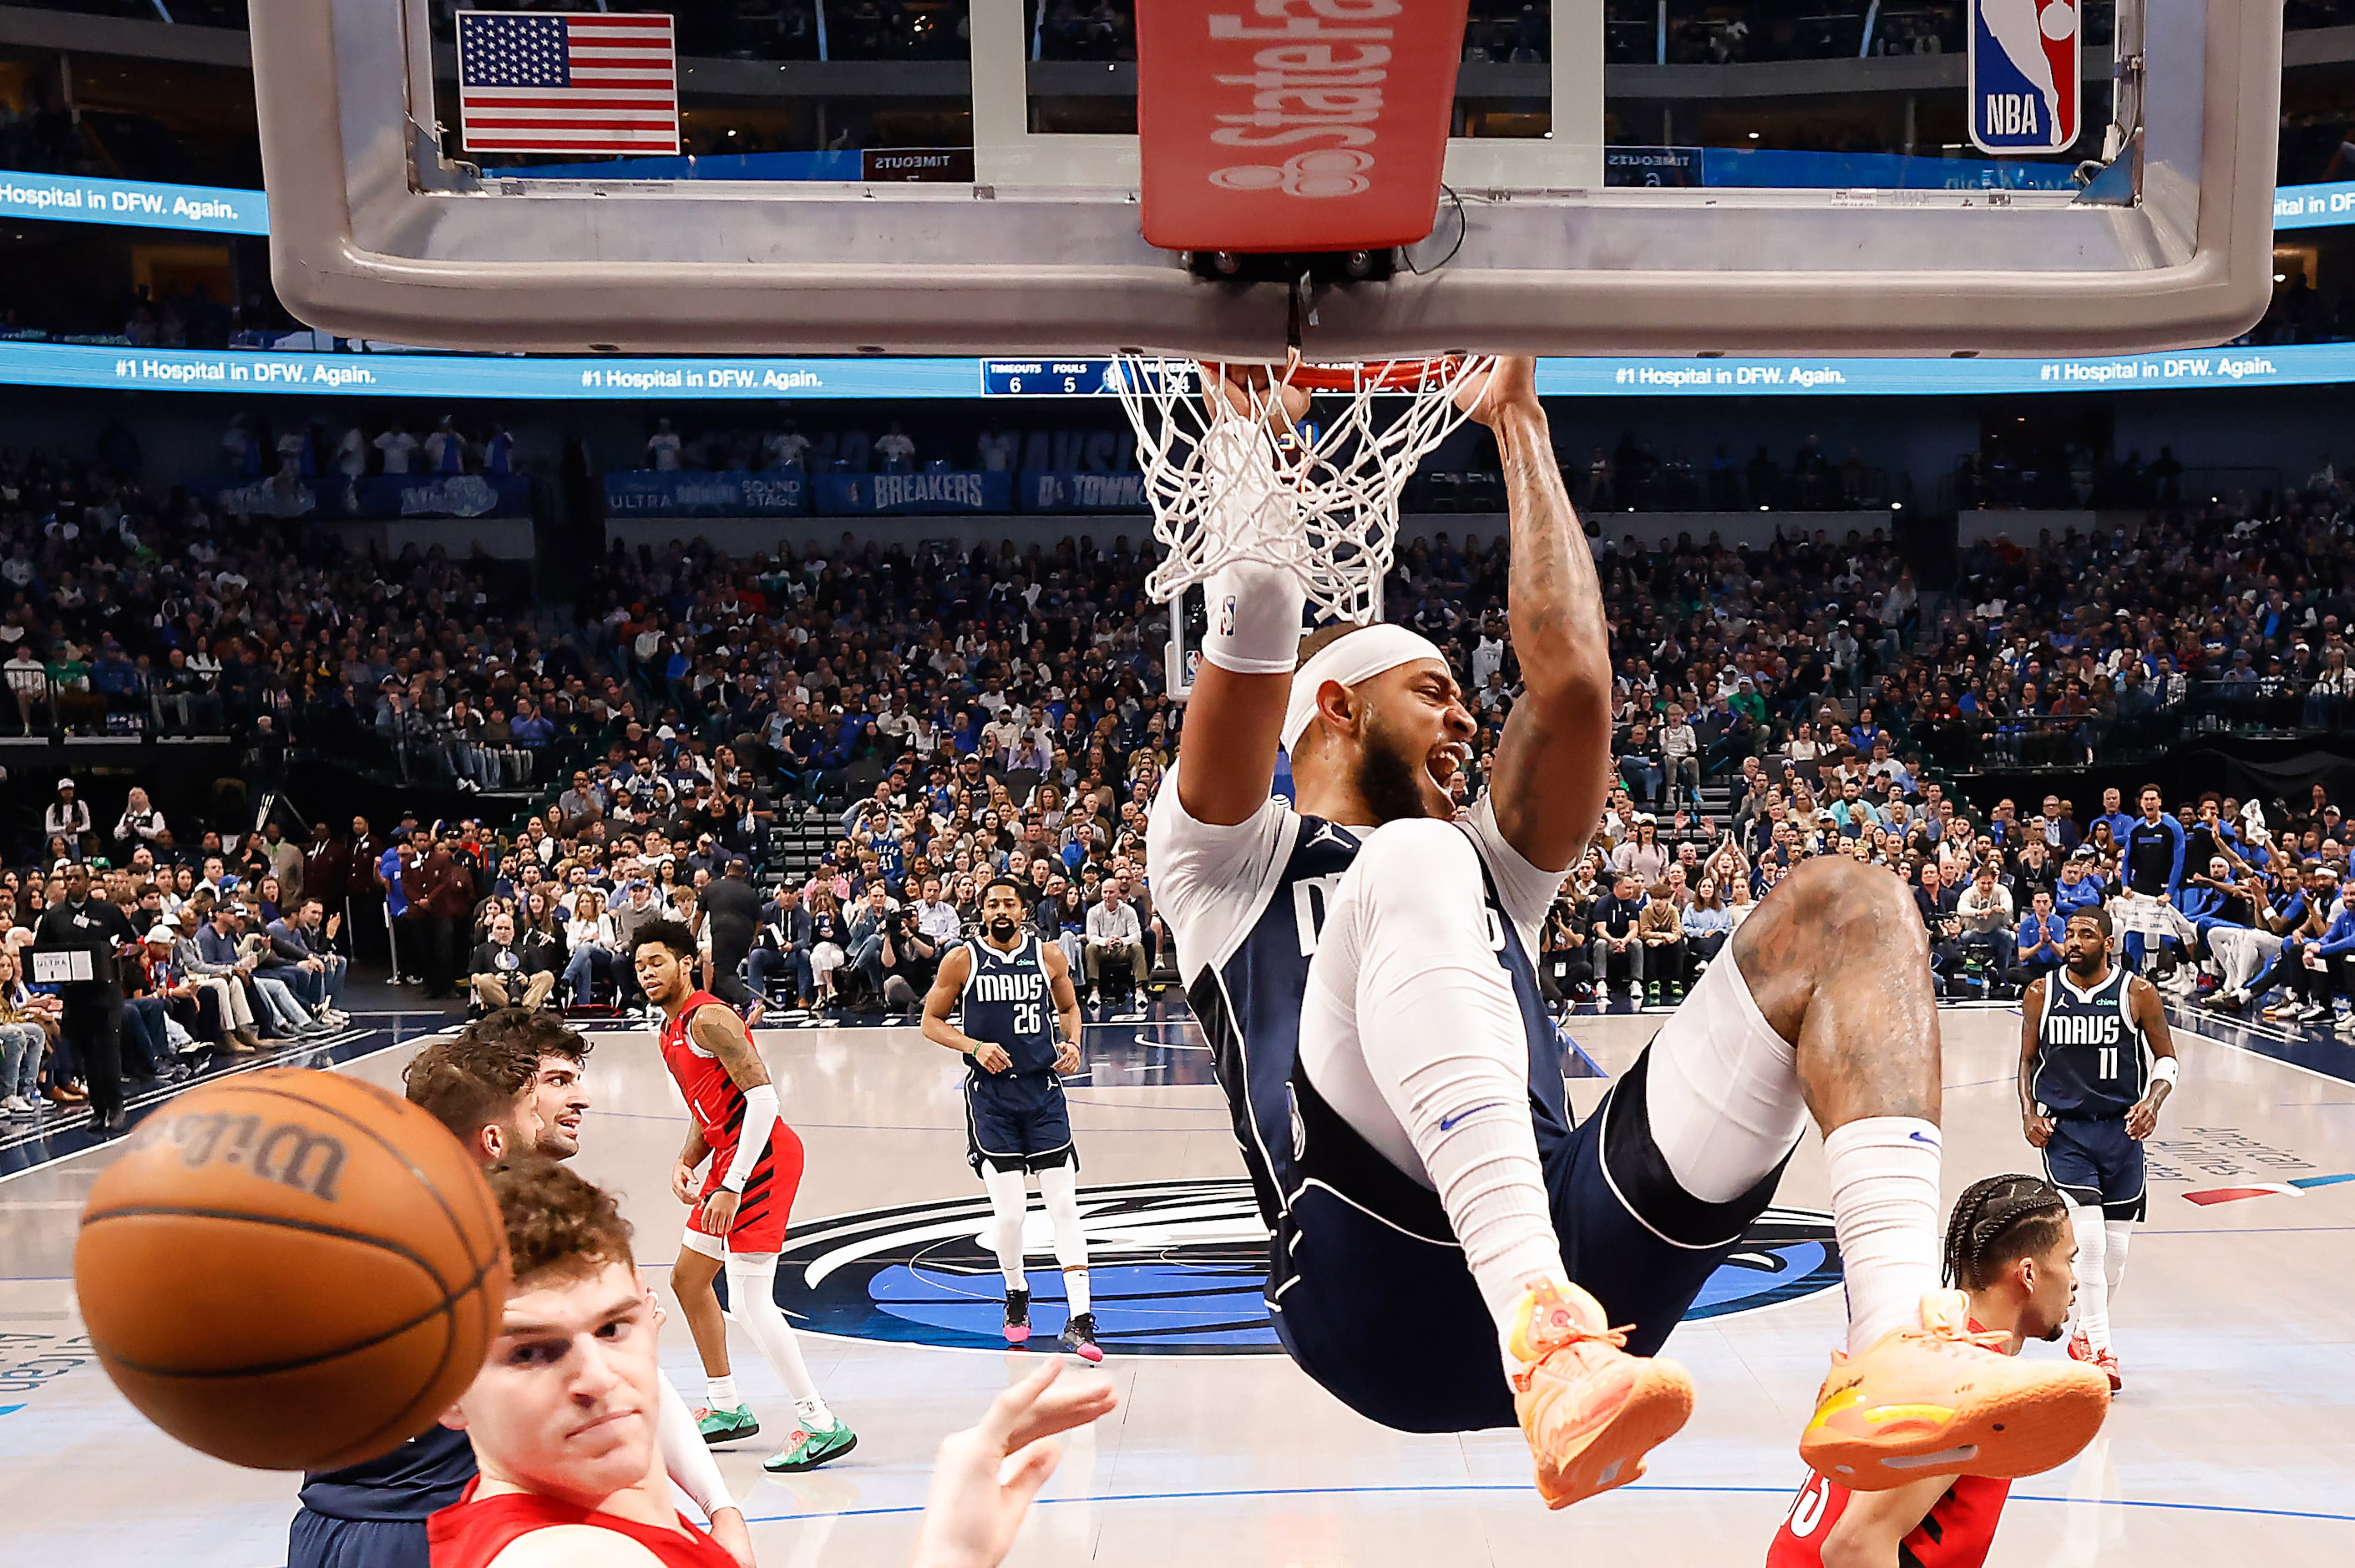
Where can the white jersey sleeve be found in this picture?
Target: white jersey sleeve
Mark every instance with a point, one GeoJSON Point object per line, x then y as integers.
{"type": "Point", "coordinates": [1209, 883]}
{"type": "Point", "coordinates": [1527, 891]}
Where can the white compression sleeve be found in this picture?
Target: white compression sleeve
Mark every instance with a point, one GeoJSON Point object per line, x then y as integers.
{"type": "Point", "coordinates": [752, 1302]}
{"type": "Point", "coordinates": [2093, 1273]}
{"type": "Point", "coordinates": [1058, 1189]}
{"type": "Point", "coordinates": [2115, 1235]}
{"type": "Point", "coordinates": [1008, 1197]}
{"type": "Point", "coordinates": [685, 1454]}
{"type": "Point", "coordinates": [760, 1121]}
{"type": "Point", "coordinates": [1722, 1091]}
{"type": "Point", "coordinates": [1442, 1041]}
{"type": "Point", "coordinates": [1254, 620]}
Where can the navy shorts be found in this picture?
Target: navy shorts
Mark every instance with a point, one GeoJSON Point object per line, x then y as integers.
{"type": "Point", "coordinates": [2094, 1162]}
{"type": "Point", "coordinates": [1385, 1316]}
{"type": "Point", "coordinates": [315, 1541]}
{"type": "Point", "coordinates": [1018, 1122]}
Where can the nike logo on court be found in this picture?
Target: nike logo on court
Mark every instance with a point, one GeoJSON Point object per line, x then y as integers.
{"type": "Point", "coordinates": [1449, 1123]}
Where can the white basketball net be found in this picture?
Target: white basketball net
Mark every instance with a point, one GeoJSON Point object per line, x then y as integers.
{"type": "Point", "coordinates": [1319, 499]}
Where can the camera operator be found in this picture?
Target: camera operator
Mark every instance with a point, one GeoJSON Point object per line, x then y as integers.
{"type": "Point", "coordinates": [92, 1022]}
{"type": "Point", "coordinates": [894, 955]}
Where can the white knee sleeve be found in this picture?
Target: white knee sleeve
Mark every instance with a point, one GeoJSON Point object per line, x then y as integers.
{"type": "Point", "coordinates": [1722, 1089]}
{"type": "Point", "coordinates": [2093, 1273]}
{"type": "Point", "coordinates": [2116, 1237]}
{"type": "Point", "coordinates": [1413, 1035]}
{"type": "Point", "coordinates": [1059, 1188]}
{"type": "Point", "coordinates": [752, 1302]}
{"type": "Point", "coordinates": [1008, 1197]}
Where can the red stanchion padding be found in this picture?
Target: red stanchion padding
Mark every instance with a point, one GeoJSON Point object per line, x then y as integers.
{"type": "Point", "coordinates": [1293, 124]}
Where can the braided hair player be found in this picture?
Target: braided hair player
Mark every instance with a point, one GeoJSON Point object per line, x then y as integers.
{"type": "Point", "coordinates": [2010, 1254]}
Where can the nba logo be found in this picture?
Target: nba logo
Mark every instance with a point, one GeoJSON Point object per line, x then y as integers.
{"type": "Point", "coordinates": [2025, 75]}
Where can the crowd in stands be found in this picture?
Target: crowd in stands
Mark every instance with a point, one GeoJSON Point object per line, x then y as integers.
{"type": "Point", "coordinates": [952, 716]}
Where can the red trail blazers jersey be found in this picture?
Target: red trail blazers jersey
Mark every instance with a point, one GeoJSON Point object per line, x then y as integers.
{"type": "Point", "coordinates": [471, 1533]}
{"type": "Point", "coordinates": [719, 1107]}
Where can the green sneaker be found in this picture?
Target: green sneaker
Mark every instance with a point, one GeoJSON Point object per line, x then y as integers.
{"type": "Point", "coordinates": [727, 1426]}
{"type": "Point", "coordinates": [806, 1450]}
{"type": "Point", "coordinates": [1675, 993]}
{"type": "Point", "coordinates": [1652, 993]}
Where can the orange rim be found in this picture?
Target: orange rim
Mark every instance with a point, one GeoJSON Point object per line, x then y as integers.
{"type": "Point", "coordinates": [1383, 376]}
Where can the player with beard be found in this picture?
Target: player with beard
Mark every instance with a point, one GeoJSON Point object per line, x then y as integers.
{"type": "Point", "coordinates": [737, 1220]}
{"type": "Point", "coordinates": [1016, 1120]}
{"type": "Point", "coordinates": [507, 1085]}
{"type": "Point", "coordinates": [2011, 1253]}
{"type": "Point", "coordinates": [2096, 1062]}
{"type": "Point", "coordinates": [1449, 1252]}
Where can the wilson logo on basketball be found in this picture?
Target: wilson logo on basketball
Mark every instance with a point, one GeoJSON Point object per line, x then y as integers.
{"type": "Point", "coordinates": [285, 1152]}
{"type": "Point", "coordinates": [1306, 92]}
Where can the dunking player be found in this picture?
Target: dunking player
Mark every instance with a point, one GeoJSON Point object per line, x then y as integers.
{"type": "Point", "coordinates": [1016, 1120]}
{"type": "Point", "coordinates": [507, 1085]}
{"type": "Point", "coordinates": [2009, 1250]}
{"type": "Point", "coordinates": [1449, 1252]}
{"type": "Point", "coordinates": [563, 1415]}
{"type": "Point", "coordinates": [2095, 1064]}
{"type": "Point", "coordinates": [738, 1218]}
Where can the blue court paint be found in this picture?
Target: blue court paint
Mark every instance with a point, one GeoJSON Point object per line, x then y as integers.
{"type": "Point", "coordinates": [2322, 1181]}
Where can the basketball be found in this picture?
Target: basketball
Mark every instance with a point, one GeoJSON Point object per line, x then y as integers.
{"type": "Point", "coordinates": [292, 1270]}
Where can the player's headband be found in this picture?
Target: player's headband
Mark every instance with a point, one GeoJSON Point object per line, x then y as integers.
{"type": "Point", "coordinates": [1361, 656]}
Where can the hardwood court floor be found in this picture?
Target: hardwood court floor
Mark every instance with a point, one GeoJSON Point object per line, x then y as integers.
{"type": "Point", "coordinates": [2233, 1441]}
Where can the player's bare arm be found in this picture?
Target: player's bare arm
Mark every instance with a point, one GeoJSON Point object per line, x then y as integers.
{"type": "Point", "coordinates": [1068, 1015]}
{"type": "Point", "coordinates": [1553, 764]}
{"type": "Point", "coordinates": [1872, 1527]}
{"type": "Point", "coordinates": [940, 1002]}
{"type": "Point", "coordinates": [2033, 1122]}
{"type": "Point", "coordinates": [691, 1156]}
{"type": "Point", "coordinates": [2143, 1000]}
{"type": "Point", "coordinates": [1234, 721]}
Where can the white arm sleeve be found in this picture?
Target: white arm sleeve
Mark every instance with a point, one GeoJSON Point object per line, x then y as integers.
{"type": "Point", "coordinates": [685, 1454]}
{"type": "Point", "coordinates": [760, 1118]}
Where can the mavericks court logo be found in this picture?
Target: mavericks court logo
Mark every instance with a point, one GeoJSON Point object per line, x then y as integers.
{"type": "Point", "coordinates": [1174, 1269]}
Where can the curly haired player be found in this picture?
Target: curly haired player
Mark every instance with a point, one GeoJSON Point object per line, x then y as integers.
{"type": "Point", "coordinates": [2011, 1255]}
{"type": "Point", "coordinates": [738, 1218]}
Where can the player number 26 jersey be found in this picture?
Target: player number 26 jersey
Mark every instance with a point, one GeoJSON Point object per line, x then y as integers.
{"type": "Point", "coordinates": [1008, 1002]}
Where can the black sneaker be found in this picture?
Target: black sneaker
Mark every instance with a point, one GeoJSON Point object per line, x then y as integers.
{"type": "Point", "coordinates": [1080, 1337]}
{"type": "Point", "coordinates": [1017, 1316]}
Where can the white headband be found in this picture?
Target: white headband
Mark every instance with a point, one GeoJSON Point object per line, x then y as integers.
{"type": "Point", "coordinates": [1361, 656]}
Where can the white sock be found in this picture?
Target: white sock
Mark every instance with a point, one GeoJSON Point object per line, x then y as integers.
{"type": "Point", "coordinates": [815, 1415]}
{"type": "Point", "coordinates": [1008, 1197]}
{"type": "Point", "coordinates": [1884, 1172]}
{"type": "Point", "coordinates": [2093, 1273]}
{"type": "Point", "coordinates": [2116, 1235]}
{"type": "Point", "coordinates": [1442, 1041]}
{"type": "Point", "coordinates": [722, 1392]}
{"type": "Point", "coordinates": [1059, 1188]}
{"type": "Point", "coordinates": [752, 1301]}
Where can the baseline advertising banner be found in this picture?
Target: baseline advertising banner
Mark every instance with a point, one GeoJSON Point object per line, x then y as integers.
{"type": "Point", "coordinates": [1059, 492]}
{"type": "Point", "coordinates": [644, 493]}
{"type": "Point", "coordinates": [887, 494]}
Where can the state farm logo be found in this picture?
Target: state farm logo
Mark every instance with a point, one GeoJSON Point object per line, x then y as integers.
{"type": "Point", "coordinates": [1304, 89]}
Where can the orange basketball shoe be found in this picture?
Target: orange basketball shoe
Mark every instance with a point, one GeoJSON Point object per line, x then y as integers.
{"type": "Point", "coordinates": [1940, 1400]}
{"type": "Point", "coordinates": [1591, 1411]}
{"type": "Point", "coordinates": [2081, 1348]}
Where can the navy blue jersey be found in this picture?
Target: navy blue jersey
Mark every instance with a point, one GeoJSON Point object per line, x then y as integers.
{"type": "Point", "coordinates": [2091, 1058]}
{"type": "Point", "coordinates": [1009, 1002]}
{"type": "Point", "coordinates": [421, 1477]}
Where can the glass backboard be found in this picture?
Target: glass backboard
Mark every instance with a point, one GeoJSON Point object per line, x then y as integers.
{"type": "Point", "coordinates": [1621, 176]}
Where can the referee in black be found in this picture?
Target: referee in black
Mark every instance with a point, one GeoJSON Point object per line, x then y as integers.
{"type": "Point", "coordinates": [732, 908]}
{"type": "Point", "coordinates": [93, 1008]}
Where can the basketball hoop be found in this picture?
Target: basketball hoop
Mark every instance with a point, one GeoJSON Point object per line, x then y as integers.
{"type": "Point", "coordinates": [1319, 498]}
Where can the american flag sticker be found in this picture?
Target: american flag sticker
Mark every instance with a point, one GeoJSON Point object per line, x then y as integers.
{"type": "Point", "coordinates": [578, 82]}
